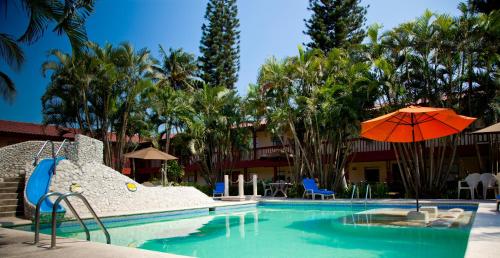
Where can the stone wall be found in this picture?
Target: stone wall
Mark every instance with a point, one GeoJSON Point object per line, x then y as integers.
{"type": "Point", "coordinates": [13, 158]}
{"type": "Point", "coordinates": [105, 188]}
{"type": "Point", "coordinates": [107, 192]}
{"type": "Point", "coordinates": [86, 150]}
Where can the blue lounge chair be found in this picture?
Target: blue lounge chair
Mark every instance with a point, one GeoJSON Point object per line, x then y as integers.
{"type": "Point", "coordinates": [310, 188]}
{"type": "Point", "coordinates": [219, 189]}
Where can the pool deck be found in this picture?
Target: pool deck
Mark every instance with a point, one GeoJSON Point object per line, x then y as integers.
{"type": "Point", "coordinates": [484, 239]}
{"type": "Point", "coordinates": [17, 244]}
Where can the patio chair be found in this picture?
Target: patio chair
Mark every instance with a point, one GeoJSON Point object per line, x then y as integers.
{"type": "Point", "coordinates": [472, 181]}
{"type": "Point", "coordinates": [488, 181]}
{"type": "Point", "coordinates": [219, 189]}
{"type": "Point", "coordinates": [310, 188]}
{"type": "Point", "coordinates": [267, 188]}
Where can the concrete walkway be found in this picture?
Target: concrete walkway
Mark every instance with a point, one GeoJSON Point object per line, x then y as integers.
{"type": "Point", "coordinates": [17, 244]}
{"type": "Point", "coordinates": [484, 239]}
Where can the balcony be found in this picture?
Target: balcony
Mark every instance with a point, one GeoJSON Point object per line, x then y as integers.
{"type": "Point", "coordinates": [364, 150]}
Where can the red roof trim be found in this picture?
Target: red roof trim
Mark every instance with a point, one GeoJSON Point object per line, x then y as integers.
{"type": "Point", "coordinates": [36, 129]}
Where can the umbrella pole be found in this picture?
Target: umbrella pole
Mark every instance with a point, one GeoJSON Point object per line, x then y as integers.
{"type": "Point", "coordinates": [415, 159]}
{"type": "Point", "coordinates": [133, 167]}
{"type": "Point", "coordinates": [417, 175]}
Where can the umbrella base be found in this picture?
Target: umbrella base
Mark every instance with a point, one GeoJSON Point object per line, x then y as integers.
{"type": "Point", "coordinates": [418, 216]}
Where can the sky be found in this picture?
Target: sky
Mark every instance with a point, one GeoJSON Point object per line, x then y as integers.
{"type": "Point", "coordinates": [268, 28]}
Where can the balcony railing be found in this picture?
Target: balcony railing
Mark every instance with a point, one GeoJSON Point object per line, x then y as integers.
{"type": "Point", "coordinates": [359, 145]}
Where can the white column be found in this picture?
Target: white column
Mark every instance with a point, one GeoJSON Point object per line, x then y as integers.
{"type": "Point", "coordinates": [241, 182]}
{"type": "Point", "coordinates": [226, 185]}
{"type": "Point", "coordinates": [254, 184]}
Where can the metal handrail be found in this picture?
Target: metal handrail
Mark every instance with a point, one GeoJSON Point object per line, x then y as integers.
{"type": "Point", "coordinates": [81, 197]}
{"type": "Point", "coordinates": [37, 216]}
{"type": "Point", "coordinates": [41, 149]}
{"type": "Point", "coordinates": [60, 147]}
{"type": "Point", "coordinates": [368, 191]}
{"type": "Point", "coordinates": [354, 189]}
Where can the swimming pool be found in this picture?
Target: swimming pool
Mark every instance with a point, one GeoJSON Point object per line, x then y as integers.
{"type": "Point", "coordinates": [278, 230]}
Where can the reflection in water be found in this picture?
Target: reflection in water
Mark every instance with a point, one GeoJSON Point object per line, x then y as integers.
{"type": "Point", "coordinates": [242, 226]}
{"type": "Point", "coordinates": [256, 223]}
{"type": "Point", "coordinates": [228, 227]}
{"type": "Point", "coordinates": [134, 236]}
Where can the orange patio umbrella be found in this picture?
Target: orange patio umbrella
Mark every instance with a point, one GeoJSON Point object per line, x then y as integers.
{"type": "Point", "coordinates": [413, 124]}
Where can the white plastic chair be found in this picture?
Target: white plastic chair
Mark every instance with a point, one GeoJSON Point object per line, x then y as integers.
{"type": "Point", "coordinates": [267, 188]}
{"type": "Point", "coordinates": [472, 181]}
{"type": "Point", "coordinates": [488, 180]}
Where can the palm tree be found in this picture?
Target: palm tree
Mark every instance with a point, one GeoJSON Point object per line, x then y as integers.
{"type": "Point", "coordinates": [69, 16]}
{"type": "Point", "coordinates": [98, 91]}
{"type": "Point", "coordinates": [13, 55]}
{"type": "Point", "coordinates": [171, 108]}
{"type": "Point", "coordinates": [215, 130]}
{"type": "Point", "coordinates": [316, 100]}
{"type": "Point", "coordinates": [135, 67]}
{"type": "Point", "coordinates": [177, 69]}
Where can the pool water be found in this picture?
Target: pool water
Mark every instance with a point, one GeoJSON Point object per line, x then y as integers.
{"type": "Point", "coordinates": [284, 231]}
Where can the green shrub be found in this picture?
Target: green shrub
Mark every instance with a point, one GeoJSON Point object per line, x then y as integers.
{"type": "Point", "coordinates": [203, 188]}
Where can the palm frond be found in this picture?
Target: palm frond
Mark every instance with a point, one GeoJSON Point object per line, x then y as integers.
{"type": "Point", "coordinates": [7, 87]}
{"type": "Point", "coordinates": [11, 52]}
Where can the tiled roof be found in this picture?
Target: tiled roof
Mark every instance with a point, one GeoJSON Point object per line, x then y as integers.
{"type": "Point", "coordinates": [36, 129]}
{"type": "Point", "coordinates": [51, 131]}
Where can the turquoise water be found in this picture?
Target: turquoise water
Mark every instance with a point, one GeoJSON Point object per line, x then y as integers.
{"type": "Point", "coordinates": [284, 231]}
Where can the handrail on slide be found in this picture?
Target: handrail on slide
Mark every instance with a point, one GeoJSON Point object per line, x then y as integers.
{"type": "Point", "coordinates": [41, 149]}
{"type": "Point", "coordinates": [60, 147]}
{"type": "Point", "coordinates": [63, 197]}
{"type": "Point", "coordinates": [54, 152]}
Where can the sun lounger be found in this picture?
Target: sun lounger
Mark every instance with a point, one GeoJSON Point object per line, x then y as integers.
{"type": "Point", "coordinates": [310, 188]}
{"type": "Point", "coordinates": [219, 189]}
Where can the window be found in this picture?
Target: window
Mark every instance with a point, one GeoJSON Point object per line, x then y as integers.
{"type": "Point", "coordinates": [276, 140]}
{"type": "Point", "coordinates": [372, 175]}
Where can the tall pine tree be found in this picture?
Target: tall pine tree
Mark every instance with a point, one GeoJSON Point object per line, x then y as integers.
{"type": "Point", "coordinates": [335, 24]}
{"type": "Point", "coordinates": [220, 44]}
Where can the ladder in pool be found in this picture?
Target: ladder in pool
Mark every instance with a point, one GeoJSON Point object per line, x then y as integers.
{"type": "Point", "coordinates": [368, 192]}
{"type": "Point", "coordinates": [64, 197]}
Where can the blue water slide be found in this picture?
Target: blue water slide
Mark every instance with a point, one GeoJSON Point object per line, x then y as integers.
{"type": "Point", "coordinates": [38, 185]}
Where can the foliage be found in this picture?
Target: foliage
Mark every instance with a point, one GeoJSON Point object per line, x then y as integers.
{"type": "Point", "coordinates": [175, 172]}
{"type": "Point", "coordinates": [98, 92]}
{"type": "Point", "coordinates": [335, 24]}
{"type": "Point", "coordinates": [440, 61]}
{"type": "Point", "coordinates": [220, 44]}
{"type": "Point", "coordinates": [206, 189]}
{"type": "Point", "coordinates": [69, 17]}
{"type": "Point", "coordinates": [215, 131]}
{"type": "Point", "coordinates": [313, 103]}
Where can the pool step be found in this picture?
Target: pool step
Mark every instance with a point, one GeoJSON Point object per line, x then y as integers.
{"type": "Point", "coordinates": [5, 196]}
{"type": "Point", "coordinates": [12, 179]}
{"type": "Point", "coordinates": [4, 214]}
{"type": "Point", "coordinates": [14, 207]}
{"type": "Point", "coordinates": [9, 189]}
{"type": "Point", "coordinates": [11, 184]}
{"type": "Point", "coordinates": [11, 197]}
{"type": "Point", "coordinates": [8, 201]}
